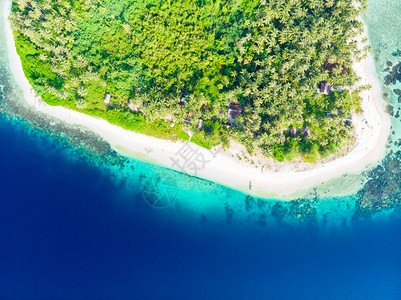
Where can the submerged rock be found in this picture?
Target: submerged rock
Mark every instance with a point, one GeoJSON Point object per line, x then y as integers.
{"type": "Point", "coordinates": [389, 79]}
{"type": "Point", "coordinates": [390, 110]}
{"type": "Point", "coordinates": [397, 92]}
{"type": "Point", "coordinates": [394, 75]}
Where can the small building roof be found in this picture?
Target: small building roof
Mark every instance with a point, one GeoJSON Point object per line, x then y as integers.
{"type": "Point", "coordinates": [293, 132]}
{"type": "Point", "coordinates": [307, 131]}
{"type": "Point", "coordinates": [323, 88]}
{"type": "Point", "coordinates": [130, 104]}
{"type": "Point", "coordinates": [234, 110]}
{"type": "Point", "coordinates": [107, 99]}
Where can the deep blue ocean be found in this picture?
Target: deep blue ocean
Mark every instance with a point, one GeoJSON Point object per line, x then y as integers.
{"type": "Point", "coordinates": [77, 221]}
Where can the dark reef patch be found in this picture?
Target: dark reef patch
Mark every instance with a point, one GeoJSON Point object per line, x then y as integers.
{"type": "Point", "coordinates": [383, 191]}
{"type": "Point", "coordinates": [393, 76]}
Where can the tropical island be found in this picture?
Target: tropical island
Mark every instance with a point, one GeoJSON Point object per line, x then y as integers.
{"type": "Point", "coordinates": [281, 78]}
{"type": "Point", "coordinates": [217, 70]}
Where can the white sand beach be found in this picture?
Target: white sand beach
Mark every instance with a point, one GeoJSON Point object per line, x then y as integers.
{"type": "Point", "coordinates": [372, 130]}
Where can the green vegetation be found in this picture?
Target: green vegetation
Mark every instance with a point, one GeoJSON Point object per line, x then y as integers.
{"type": "Point", "coordinates": [185, 60]}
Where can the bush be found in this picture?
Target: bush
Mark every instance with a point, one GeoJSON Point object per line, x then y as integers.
{"type": "Point", "coordinates": [312, 154]}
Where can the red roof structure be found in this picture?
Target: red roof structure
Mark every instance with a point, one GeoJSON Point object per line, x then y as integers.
{"type": "Point", "coordinates": [329, 67]}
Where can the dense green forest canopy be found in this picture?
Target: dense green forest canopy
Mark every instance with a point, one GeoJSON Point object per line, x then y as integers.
{"type": "Point", "coordinates": [190, 59]}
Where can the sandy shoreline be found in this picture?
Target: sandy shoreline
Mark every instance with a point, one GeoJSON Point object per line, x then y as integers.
{"type": "Point", "coordinates": [372, 130]}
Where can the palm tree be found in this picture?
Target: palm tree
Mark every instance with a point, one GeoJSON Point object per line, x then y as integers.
{"type": "Point", "coordinates": [81, 91]}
